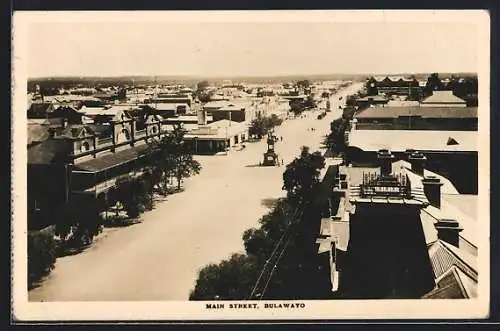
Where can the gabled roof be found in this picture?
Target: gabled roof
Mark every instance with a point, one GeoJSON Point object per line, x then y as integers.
{"type": "Point", "coordinates": [443, 256]}
{"type": "Point", "coordinates": [76, 130]}
{"type": "Point", "coordinates": [454, 284]}
{"type": "Point", "coordinates": [445, 97]}
{"type": "Point", "coordinates": [99, 129]}
{"type": "Point", "coordinates": [40, 107]}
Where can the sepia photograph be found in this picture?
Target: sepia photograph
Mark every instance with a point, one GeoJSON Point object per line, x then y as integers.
{"type": "Point", "coordinates": [250, 165]}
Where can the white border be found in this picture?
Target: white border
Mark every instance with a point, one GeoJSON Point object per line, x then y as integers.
{"type": "Point", "coordinates": [173, 310]}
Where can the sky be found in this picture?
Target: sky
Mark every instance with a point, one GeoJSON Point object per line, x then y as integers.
{"type": "Point", "coordinates": [249, 48]}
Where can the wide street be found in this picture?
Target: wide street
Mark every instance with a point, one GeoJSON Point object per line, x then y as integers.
{"type": "Point", "coordinates": [159, 258]}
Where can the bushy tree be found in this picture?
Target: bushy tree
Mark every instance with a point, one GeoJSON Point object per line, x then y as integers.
{"type": "Point", "coordinates": [231, 279]}
{"type": "Point", "coordinates": [302, 176]}
{"type": "Point", "coordinates": [261, 125]}
{"type": "Point", "coordinates": [288, 225]}
{"type": "Point", "coordinates": [433, 83]}
{"type": "Point", "coordinates": [42, 254]}
{"type": "Point", "coordinates": [257, 127]}
{"type": "Point", "coordinates": [180, 156]}
{"type": "Point", "coordinates": [129, 193]}
{"type": "Point", "coordinates": [335, 140]}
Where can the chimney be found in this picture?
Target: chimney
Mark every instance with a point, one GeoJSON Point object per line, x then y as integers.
{"type": "Point", "coordinates": [385, 158]}
{"type": "Point", "coordinates": [432, 190]}
{"type": "Point", "coordinates": [417, 161]}
{"type": "Point", "coordinates": [448, 230]}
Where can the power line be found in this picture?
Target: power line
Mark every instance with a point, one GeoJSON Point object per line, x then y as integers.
{"type": "Point", "coordinates": [274, 268]}
{"type": "Point", "coordinates": [287, 231]}
{"type": "Point", "coordinates": [271, 256]}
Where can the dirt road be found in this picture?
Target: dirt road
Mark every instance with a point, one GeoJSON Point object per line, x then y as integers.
{"type": "Point", "coordinates": [159, 258]}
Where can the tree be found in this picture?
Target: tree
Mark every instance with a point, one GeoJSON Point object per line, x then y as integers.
{"type": "Point", "coordinates": [202, 92]}
{"type": "Point", "coordinates": [180, 161]}
{"type": "Point", "coordinates": [303, 84]}
{"type": "Point", "coordinates": [231, 279]}
{"type": "Point", "coordinates": [203, 85]}
{"type": "Point", "coordinates": [301, 176]}
{"type": "Point", "coordinates": [261, 125]}
{"type": "Point", "coordinates": [257, 127]}
{"type": "Point", "coordinates": [235, 279]}
{"type": "Point", "coordinates": [335, 141]}
{"type": "Point", "coordinates": [296, 107]}
{"type": "Point", "coordinates": [433, 83]}
{"type": "Point", "coordinates": [309, 103]}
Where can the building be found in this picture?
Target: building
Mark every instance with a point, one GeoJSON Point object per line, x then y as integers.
{"type": "Point", "coordinates": [371, 100]}
{"type": "Point", "coordinates": [217, 136]}
{"type": "Point", "coordinates": [443, 99]}
{"type": "Point", "coordinates": [396, 85]}
{"type": "Point", "coordinates": [444, 150]}
{"type": "Point", "coordinates": [83, 162]}
{"type": "Point", "coordinates": [234, 110]}
{"type": "Point", "coordinates": [397, 230]}
{"type": "Point", "coordinates": [176, 98]}
{"type": "Point", "coordinates": [418, 118]}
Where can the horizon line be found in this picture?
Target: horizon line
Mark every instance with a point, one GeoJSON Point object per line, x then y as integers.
{"type": "Point", "coordinates": [192, 76]}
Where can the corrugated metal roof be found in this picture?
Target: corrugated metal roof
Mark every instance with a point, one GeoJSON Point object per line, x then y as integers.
{"type": "Point", "coordinates": [443, 256]}
{"type": "Point", "coordinates": [454, 284]}
{"type": "Point", "coordinates": [112, 160]}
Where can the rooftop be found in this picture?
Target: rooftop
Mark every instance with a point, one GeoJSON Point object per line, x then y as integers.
{"type": "Point", "coordinates": [422, 140]}
{"type": "Point", "coordinates": [443, 97]}
{"type": "Point", "coordinates": [422, 111]}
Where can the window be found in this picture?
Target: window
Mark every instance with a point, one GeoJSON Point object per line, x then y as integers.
{"type": "Point", "coordinates": [84, 147]}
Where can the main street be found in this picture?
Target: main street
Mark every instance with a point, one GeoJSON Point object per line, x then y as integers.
{"type": "Point", "coordinates": [159, 258]}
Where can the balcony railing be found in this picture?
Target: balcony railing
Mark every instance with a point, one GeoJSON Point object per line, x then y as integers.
{"type": "Point", "coordinates": [105, 141]}
{"type": "Point", "coordinates": [385, 186]}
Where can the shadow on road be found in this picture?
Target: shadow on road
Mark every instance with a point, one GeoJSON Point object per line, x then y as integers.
{"type": "Point", "coordinates": [269, 202]}
{"type": "Point", "coordinates": [254, 166]}
{"type": "Point", "coordinates": [120, 223]}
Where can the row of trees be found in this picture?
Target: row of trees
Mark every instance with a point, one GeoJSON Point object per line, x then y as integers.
{"type": "Point", "coordinates": [286, 236]}
{"type": "Point", "coordinates": [79, 220]}
{"type": "Point", "coordinates": [335, 141]}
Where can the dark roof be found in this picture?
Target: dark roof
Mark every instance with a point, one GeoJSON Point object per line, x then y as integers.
{"type": "Point", "coordinates": [37, 133]}
{"type": "Point", "coordinates": [100, 129]}
{"type": "Point", "coordinates": [443, 256]}
{"type": "Point", "coordinates": [50, 151]}
{"type": "Point", "coordinates": [454, 284]}
{"type": "Point", "coordinates": [40, 107]}
{"type": "Point", "coordinates": [72, 131]}
{"type": "Point", "coordinates": [428, 112]}
{"type": "Point", "coordinates": [111, 160]}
